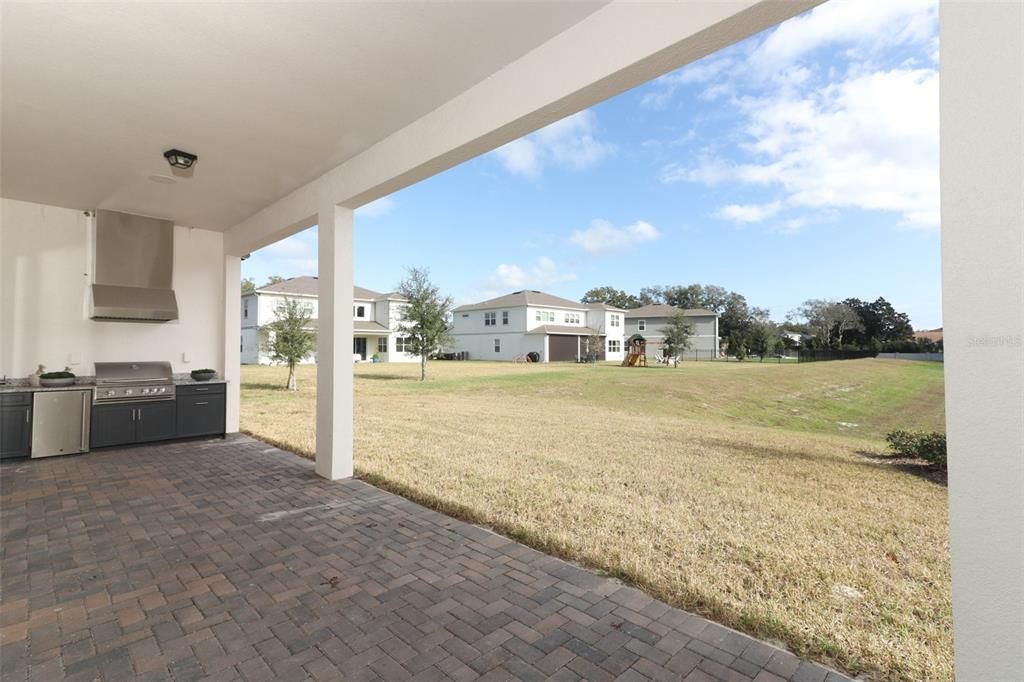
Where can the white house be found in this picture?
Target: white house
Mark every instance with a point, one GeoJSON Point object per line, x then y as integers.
{"type": "Point", "coordinates": [557, 329]}
{"type": "Point", "coordinates": [375, 319]}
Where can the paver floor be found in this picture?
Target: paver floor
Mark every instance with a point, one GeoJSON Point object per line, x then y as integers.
{"type": "Point", "coordinates": [233, 560]}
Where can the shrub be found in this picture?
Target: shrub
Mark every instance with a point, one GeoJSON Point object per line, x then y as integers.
{"type": "Point", "coordinates": [931, 447]}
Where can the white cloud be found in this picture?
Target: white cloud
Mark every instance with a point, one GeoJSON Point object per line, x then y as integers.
{"type": "Point", "coordinates": [377, 208]}
{"type": "Point", "coordinates": [570, 143]}
{"type": "Point", "coordinates": [603, 237]}
{"type": "Point", "coordinates": [292, 256]}
{"type": "Point", "coordinates": [544, 272]}
{"type": "Point", "coordinates": [868, 142]}
{"type": "Point", "coordinates": [662, 89]}
{"type": "Point", "coordinates": [867, 26]}
{"type": "Point", "coordinates": [749, 213]}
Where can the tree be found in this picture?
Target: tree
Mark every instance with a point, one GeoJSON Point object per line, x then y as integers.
{"type": "Point", "coordinates": [274, 279]}
{"type": "Point", "coordinates": [425, 317]}
{"type": "Point", "coordinates": [651, 295]}
{"type": "Point", "coordinates": [676, 337]}
{"type": "Point", "coordinates": [880, 321]}
{"type": "Point", "coordinates": [290, 337]}
{"type": "Point", "coordinates": [248, 285]}
{"type": "Point", "coordinates": [763, 337]}
{"type": "Point", "coordinates": [611, 296]}
{"type": "Point", "coordinates": [594, 344]}
{"type": "Point", "coordinates": [828, 320]}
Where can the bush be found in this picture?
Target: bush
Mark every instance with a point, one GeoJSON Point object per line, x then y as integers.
{"type": "Point", "coordinates": [931, 447]}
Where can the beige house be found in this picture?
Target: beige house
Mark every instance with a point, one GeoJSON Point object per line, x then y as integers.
{"type": "Point", "coordinates": [375, 321]}
{"type": "Point", "coordinates": [299, 113]}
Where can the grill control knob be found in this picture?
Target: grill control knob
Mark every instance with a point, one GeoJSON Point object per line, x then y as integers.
{"type": "Point", "coordinates": [127, 391]}
{"type": "Point", "coordinates": [110, 392]}
{"type": "Point", "coordinates": [145, 390]}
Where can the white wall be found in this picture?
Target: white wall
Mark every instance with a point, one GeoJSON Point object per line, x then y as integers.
{"type": "Point", "coordinates": [45, 276]}
{"type": "Point", "coordinates": [982, 171]}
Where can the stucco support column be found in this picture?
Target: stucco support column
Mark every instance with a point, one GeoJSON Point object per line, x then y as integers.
{"type": "Point", "coordinates": [232, 356]}
{"type": "Point", "coordinates": [334, 401]}
{"type": "Point", "coordinates": [982, 145]}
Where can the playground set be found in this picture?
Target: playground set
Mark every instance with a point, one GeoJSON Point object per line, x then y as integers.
{"type": "Point", "coordinates": [636, 355]}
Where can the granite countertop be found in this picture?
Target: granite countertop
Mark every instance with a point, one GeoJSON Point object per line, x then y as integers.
{"type": "Point", "coordinates": [87, 383]}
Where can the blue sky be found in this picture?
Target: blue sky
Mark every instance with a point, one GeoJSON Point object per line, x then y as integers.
{"type": "Point", "coordinates": [801, 163]}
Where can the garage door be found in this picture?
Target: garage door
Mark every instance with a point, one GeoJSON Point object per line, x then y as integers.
{"type": "Point", "coordinates": [562, 348]}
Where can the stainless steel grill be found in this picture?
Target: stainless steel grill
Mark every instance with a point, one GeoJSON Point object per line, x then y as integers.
{"type": "Point", "coordinates": [127, 382]}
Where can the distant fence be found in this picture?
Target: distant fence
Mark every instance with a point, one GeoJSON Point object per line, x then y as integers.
{"type": "Point", "coordinates": [825, 355]}
{"type": "Point", "coordinates": [715, 356]}
{"type": "Point", "coordinates": [928, 357]}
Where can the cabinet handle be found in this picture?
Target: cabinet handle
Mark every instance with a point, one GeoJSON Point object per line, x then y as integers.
{"type": "Point", "coordinates": [28, 416]}
{"type": "Point", "coordinates": [202, 389]}
{"type": "Point", "coordinates": [140, 414]}
{"type": "Point", "coordinates": [202, 403]}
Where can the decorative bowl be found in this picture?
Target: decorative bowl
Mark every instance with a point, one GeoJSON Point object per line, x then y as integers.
{"type": "Point", "coordinates": [56, 383]}
{"type": "Point", "coordinates": [203, 374]}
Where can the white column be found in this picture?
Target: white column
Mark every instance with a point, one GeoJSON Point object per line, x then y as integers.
{"type": "Point", "coordinates": [232, 355]}
{"type": "Point", "coordinates": [334, 346]}
{"type": "Point", "coordinates": [982, 135]}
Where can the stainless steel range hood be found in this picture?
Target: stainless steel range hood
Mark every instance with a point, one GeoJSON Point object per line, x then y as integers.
{"type": "Point", "coordinates": [134, 269]}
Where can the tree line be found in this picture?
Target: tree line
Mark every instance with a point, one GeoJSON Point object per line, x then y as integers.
{"type": "Point", "coordinates": [818, 323]}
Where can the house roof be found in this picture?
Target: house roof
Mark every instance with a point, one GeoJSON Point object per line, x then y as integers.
{"type": "Point", "coordinates": [662, 310]}
{"type": "Point", "coordinates": [563, 329]}
{"type": "Point", "coordinates": [521, 298]}
{"type": "Point", "coordinates": [307, 285]}
{"type": "Point", "coordinates": [370, 327]}
{"type": "Point", "coordinates": [603, 306]}
{"type": "Point", "coordinates": [930, 334]}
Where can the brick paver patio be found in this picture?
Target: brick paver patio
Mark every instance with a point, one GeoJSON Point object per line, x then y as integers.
{"type": "Point", "coordinates": [233, 560]}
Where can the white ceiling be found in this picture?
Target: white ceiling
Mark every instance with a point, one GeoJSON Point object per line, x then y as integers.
{"type": "Point", "coordinates": [270, 96]}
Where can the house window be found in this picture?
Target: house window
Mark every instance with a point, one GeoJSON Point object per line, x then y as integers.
{"type": "Point", "coordinates": [465, 314]}
{"type": "Point", "coordinates": [613, 346]}
{"type": "Point", "coordinates": [504, 317]}
{"type": "Point", "coordinates": [402, 344]}
{"type": "Point", "coordinates": [361, 311]}
{"type": "Point", "coordinates": [641, 325]}
{"type": "Point", "coordinates": [614, 321]}
{"type": "Point", "coordinates": [497, 345]}
{"type": "Point", "coordinates": [545, 316]}
{"type": "Point", "coordinates": [241, 344]}
{"type": "Point", "coordinates": [382, 344]}
{"type": "Point", "coordinates": [245, 309]}
{"type": "Point", "coordinates": [572, 318]}
{"type": "Point", "coordinates": [490, 319]}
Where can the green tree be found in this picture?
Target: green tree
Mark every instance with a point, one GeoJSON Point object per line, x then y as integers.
{"type": "Point", "coordinates": [878, 320]}
{"type": "Point", "coordinates": [828, 320]}
{"type": "Point", "coordinates": [593, 344]}
{"type": "Point", "coordinates": [290, 337]}
{"type": "Point", "coordinates": [676, 337]}
{"type": "Point", "coordinates": [611, 296]}
{"type": "Point", "coordinates": [275, 279]}
{"type": "Point", "coordinates": [425, 317]}
{"type": "Point", "coordinates": [248, 285]}
{"type": "Point", "coordinates": [763, 337]}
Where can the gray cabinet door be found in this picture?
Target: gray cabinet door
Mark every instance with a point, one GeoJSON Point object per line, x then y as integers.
{"type": "Point", "coordinates": [112, 425]}
{"type": "Point", "coordinates": [155, 421]}
{"type": "Point", "coordinates": [15, 429]}
{"type": "Point", "coordinates": [201, 415]}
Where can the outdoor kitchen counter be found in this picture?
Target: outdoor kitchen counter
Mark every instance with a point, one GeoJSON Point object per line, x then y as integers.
{"type": "Point", "coordinates": [27, 388]}
{"type": "Point", "coordinates": [87, 384]}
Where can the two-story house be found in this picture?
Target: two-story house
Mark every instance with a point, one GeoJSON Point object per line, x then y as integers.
{"type": "Point", "coordinates": [522, 322]}
{"type": "Point", "coordinates": [649, 321]}
{"type": "Point", "coordinates": [376, 317]}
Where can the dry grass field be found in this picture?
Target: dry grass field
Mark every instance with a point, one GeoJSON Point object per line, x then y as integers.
{"type": "Point", "coordinates": [743, 492]}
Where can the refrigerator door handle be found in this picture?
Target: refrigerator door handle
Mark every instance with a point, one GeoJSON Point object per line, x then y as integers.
{"type": "Point", "coordinates": [86, 405]}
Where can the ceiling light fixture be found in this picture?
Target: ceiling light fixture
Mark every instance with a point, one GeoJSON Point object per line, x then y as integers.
{"type": "Point", "coordinates": [180, 159]}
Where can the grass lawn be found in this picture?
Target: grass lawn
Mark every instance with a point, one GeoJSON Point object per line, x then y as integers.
{"type": "Point", "coordinates": [744, 492]}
